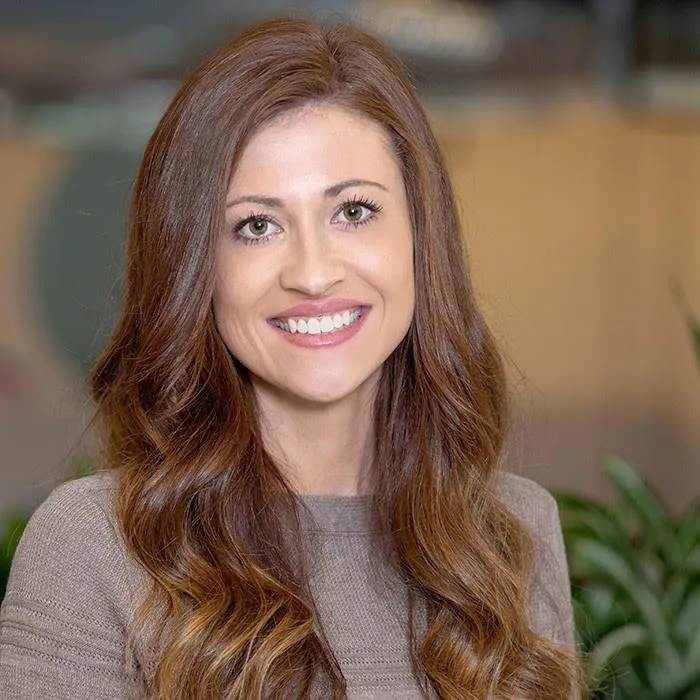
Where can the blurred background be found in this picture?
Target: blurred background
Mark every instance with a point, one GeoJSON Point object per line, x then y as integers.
{"type": "Point", "coordinates": [572, 132]}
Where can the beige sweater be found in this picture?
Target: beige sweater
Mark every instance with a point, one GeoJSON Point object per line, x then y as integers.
{"type": "Point", "coordinates": [73, 587]}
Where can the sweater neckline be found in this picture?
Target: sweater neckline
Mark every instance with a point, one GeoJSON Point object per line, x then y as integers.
{"type": "Point", "coordinates": [332, 514]}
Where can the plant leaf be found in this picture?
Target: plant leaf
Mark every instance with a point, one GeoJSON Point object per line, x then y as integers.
{"type": "Point", "coordinates": [630, 686]}
{"type": "Point", "coordinates": [665, 672]}
{"type": "Point", "coordinates": [675, 593]}
{"type": "Point", "coordinates": [580, 518]}
{"type": "Point", "coordinates": [691, 565]}
{"type": "Point", "coordinates": [14, 527]}
{"type": "Point", "coordinates": [692, 692]}
{"type": "Point", "coordinates": [649, 566]}
{"type": "Point", "coordinates": [599, 562]}
{"type": "Point", "coordinates": [691, 320]}
{"type": "Point", "coordinates": [688, 530]}
{"type": "Point", "coordinates": [598, 611]}
{"type": "Point", "coordinates": [625, 640]}
{"type": "Point", "coordinates": [688, 620]}
{"type": "Point", "coordinates": [632, 488]}
{"type": "Point", "coordinates": [692, 658]}
{"type": "Point", "coordinates": [657, 527]}
{"type": "Point", "coordinates": [694, 328]}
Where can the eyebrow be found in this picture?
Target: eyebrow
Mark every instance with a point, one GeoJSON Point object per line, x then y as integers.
{"type": "Point", "coordinates": [329, 192]}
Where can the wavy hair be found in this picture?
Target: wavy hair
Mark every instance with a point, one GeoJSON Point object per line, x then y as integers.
{"type": "Point", "coordinates": [203, 507]}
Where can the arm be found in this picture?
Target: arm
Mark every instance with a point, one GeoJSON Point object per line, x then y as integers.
{"type": "Point", "coordinates": [550, 610]}
{"type": "Point", "coordinates": [63, 619]}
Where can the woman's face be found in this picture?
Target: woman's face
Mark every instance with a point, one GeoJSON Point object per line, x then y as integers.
{"type": "Point", "coordinates": [314, 271]}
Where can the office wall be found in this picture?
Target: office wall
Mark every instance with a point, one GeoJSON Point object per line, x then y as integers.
{"type": "Point", "coordinates": [578, 220]}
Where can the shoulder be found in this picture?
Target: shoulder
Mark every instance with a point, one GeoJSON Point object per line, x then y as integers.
{"type": "Point", "coordinates": [83, 497]}
{"type": "Point", "coordinates": [531, 503]}
{"type": "Point", "coordinates": [537, 511]}
{"type": "Point", "coordinates": [72, 553]}
{"type": "Point", "coordinates": [78, 517]}
{"type": "Point", "coordinates": [69, 599]}
{"type": "Point", "coordinates": [550, 611]}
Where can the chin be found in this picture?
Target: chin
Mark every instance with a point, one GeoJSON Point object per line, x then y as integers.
{"type": "Point", "coordinates": [327, 391]}
{"type": "Point", "coordinates": [328, 396]}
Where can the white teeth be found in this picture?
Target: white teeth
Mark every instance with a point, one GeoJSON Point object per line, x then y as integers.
{"type": "Point", "coordinates": [321, 324]}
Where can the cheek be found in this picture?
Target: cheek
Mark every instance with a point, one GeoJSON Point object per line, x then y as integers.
{"type": "Point", "coordinates": [406, 283]}
{"type": "Point", "coordinates": [233, 292]}
{"type": "Point", "coordinates": [221, 309]}
{"type": "Point", "coordinates": [396, 270]}
{"type": "Point", "coordinates": [228, 303]}
{"type": "Point", "coordinates": [230, 319]}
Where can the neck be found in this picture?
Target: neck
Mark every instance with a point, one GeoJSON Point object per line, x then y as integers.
{"type": "Point", "coordinates": [321, 448]}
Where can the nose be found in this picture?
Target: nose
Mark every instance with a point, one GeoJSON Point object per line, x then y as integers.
{"type": "Point", "coordinates": [314, 266]}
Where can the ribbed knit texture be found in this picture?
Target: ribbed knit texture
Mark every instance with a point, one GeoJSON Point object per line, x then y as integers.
{"type": "Point", "coordinates": [73, 588]}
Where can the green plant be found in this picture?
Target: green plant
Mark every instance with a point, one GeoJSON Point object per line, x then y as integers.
{"type": "Point", "coordinates": [635, 574]}
{"type": "Point", "coordinates": [694, 328]}
{"type": "Point", "coordinates": [12, 530]}
{"type": "Point", "coordinates": [692, 322]}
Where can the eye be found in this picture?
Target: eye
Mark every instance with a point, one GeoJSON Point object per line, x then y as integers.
{"type": "Point", "coordinates": [357, 211]}
{"type": "Point", "coordinates": [353, 212]}
{"type": "Point", "coordinates": [256, 227]}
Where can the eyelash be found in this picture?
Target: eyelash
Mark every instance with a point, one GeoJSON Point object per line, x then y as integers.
{"type": "Point", "coordinates": [242, 224]}
{"type": "Point", "coordinates": [374, 208]}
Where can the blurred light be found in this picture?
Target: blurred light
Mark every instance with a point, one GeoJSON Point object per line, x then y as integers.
{"type": "Point", "coordinates": [121, 119]}
{"type": "Point", "coordinates": [434, 28]}
{"type": "Point", "coordinates": [668, 90]}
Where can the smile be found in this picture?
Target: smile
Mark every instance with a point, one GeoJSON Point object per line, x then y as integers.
{"type": "Point", "coordinates": [319, 325]}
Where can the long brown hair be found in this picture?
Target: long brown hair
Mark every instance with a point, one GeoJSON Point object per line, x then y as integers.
{"type": "Point", "coordinates": [202, 506]}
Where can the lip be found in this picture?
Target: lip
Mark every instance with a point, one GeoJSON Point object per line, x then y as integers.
{"type": "Point", "coordinates": [311, 309]}
{"type": "Point", "coordinates": [324, 340]}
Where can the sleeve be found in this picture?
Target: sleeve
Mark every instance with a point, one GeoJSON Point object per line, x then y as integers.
{"type": "Point", "coordinates": [550, 610]}
{"type": "Point", "coordinates": [63, 620]}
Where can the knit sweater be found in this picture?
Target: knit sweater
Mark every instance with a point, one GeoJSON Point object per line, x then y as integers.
{"type": "Point", "coordinates": [73, 588]}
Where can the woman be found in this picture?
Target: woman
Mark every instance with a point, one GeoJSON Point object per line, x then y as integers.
{"type": "Point", "coordinates": [303, 413]}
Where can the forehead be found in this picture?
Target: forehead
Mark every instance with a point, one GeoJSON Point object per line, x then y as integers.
{"type": "Point", "coordinates": [315, 142]}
